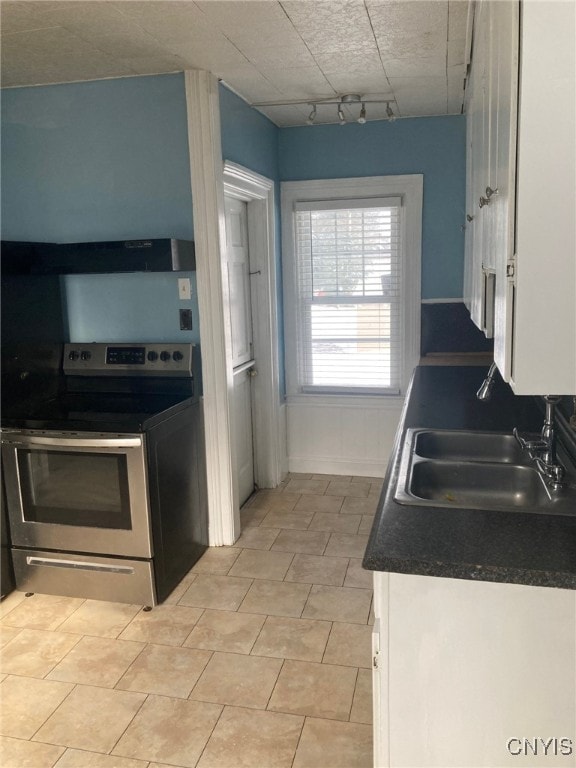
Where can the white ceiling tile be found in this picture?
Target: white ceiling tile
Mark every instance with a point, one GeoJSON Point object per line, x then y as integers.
{"type": "Point", "coordinates": [83, 67]}
{"type": "Point", "coordinates": [152, 65]}
{"type": "Point", "coordinates": [400, 46]}
{"type": "Point", "coordinates": [18, 74]}
{"type": "Point", "coordinates": [283, 56]}
{"type": "Point", "coordinates": [229, 15]}
{"type": "Point", "coordinates": [46, 6]}
{"type": "Point", "coordinates": [250, 84]}
{"type": "Point", "coordinates": [356, 82]}
{"type": "Point", "coordinates": [14, 58]}
{"type": "Point", "coordinates": [425, 66]}
{"type": "Point", "coordinates": [95, 16]}
{"type": "Point", "coordinates": [151, 9]}
{"type": "Point", "coordinates": [249, 38]}
{"type": "Point", "coordinates": [306, 82]}
{"type": "Point", "coordinates": [349, 61]}
{"type": "Point", "coordinates": [430, 98]}
{"type": "Point", "coordinates": [18, 17]}
{"type": "Point", "coordinates": [456, 80]}
{"type": "Point", "coordinates": [286, 115]}
{"type": "Point", "coordinates": [329, 26]}
{"type": "Point", "coordinates": [325, 40]}
{"type": "Point", "coordinates": [456, 74]}
{"type": "Point", "coordinates": [214, 54]}
{"type": "Point", "coordinates": [266, 50]}
{"type": "Point", "coordinates": [456, 53]}
{"type": "Point", "coordinates": [404, 85]}
{"type": "Point", "coordinates": [457, 19]}
{"type": "Point", "coordinates": [125, 45]}
{"type": "Point", "coordinates": [179, 25]}
{"type": "Point", "coordinates": [46, 41]}
{"type": "Point", "coordinates": [455, 104]}
{"type": "Point", "coordinates": [325, 11]}
{"type": "Point", "coordinates": [415, 16]}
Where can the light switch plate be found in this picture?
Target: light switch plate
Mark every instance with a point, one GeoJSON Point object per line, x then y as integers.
{"type": "Point", "coordinates": [183, 288]}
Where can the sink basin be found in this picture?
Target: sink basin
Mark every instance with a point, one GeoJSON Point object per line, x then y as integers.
{"type": "Point", "coordinates": [468, 446]}
{"type": "Point", "coordinates": [475, 470]}
{"type": "Point", "coordinates": [478, 486]}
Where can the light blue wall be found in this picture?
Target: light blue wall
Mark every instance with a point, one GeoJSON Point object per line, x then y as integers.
{"type": "Point", "coordinates": [433, 146]}
{"type": "Point", "coordinates": [109, 159]}
{"type": "Point", "coordinates": [137, 307]}
{"type": "Point", "coordinates": [102, 160]}
{"type": "Point", "coordinates": [248, 138]}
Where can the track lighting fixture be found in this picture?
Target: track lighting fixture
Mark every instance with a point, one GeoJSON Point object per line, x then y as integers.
{"type": "Point", "coordinates": [349, 100]}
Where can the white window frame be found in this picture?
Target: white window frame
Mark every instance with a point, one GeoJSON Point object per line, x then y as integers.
{"type": "Point", "coordinates": [410, 189]}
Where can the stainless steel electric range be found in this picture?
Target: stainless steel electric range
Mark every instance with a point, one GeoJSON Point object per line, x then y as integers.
{"type": "Point", "coordinates": [104, 473]}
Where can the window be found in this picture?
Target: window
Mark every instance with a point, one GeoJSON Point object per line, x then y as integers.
{"type": "Point", "coordinates": [352, 281]}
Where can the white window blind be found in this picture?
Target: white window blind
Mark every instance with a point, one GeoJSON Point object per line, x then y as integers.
{"type": "Point", "coordinates": [349, 293]}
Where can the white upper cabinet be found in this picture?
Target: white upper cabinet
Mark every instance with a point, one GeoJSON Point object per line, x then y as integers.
{"type": "Point", "coordinates": [520, 276]}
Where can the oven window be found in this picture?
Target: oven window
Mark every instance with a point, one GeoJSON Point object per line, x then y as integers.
{"type": "Point", "coordinates": [71, 488]}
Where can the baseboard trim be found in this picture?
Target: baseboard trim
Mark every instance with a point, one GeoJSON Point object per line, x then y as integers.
{"type": "Point", "coordinates": [329, 466]}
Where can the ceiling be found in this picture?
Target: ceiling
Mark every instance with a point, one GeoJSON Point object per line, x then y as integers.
{"type": "Point", "coordinates": [413, 52]}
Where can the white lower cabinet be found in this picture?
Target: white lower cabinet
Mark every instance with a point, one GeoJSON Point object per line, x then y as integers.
{"type": "Point", "coordinates": [473, 673]}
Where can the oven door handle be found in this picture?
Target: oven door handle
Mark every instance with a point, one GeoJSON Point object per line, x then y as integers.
{"type": "Point", "coordinates": [81, 442]}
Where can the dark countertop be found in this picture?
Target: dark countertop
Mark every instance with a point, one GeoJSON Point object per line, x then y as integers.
{"type": "Point", "coordinates": [510, 547]}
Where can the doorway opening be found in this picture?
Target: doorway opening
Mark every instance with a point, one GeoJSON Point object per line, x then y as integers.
{"type": "Point", "coordinates": [259, 458]}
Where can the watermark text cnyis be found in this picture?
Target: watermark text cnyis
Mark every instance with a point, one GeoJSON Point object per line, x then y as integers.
{"type": "Point", "coordinates": [539, 746]}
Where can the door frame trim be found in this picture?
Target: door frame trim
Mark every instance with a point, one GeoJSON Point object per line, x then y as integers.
{"type": "Point", "coordinates": [258, 192]}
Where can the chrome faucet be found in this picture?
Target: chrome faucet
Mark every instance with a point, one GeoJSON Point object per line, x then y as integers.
{"type": "Point", "coordinates": [543, 450]}
{"type": "Point", "coordinates": [485, 391]}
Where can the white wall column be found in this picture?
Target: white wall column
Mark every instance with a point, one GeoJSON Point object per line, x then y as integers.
{"type": "Point", "coordinates": [203, 106]}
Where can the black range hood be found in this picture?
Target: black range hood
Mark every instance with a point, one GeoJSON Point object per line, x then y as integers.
{"type": "Point", "coordinates": [114, 256]}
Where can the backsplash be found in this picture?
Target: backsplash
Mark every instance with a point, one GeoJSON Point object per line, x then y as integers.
{"type": "Point", "coordinates": [565, 410]}
{"type": "Point", "coordinates": [447, 327]}
{"type": "Point", "coordinates": [130, 307]}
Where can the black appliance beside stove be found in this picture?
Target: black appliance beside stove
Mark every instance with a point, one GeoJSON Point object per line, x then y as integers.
{"type": "Point", "coordinates": [104, 472]}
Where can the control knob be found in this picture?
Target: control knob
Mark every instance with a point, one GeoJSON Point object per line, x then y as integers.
{"type": "Point", "coordinates": [178, 356]}
{"type": "Point", "coordinates": [73, 355]}
{"type": "Point", "coordinates": [85, 355]}
{"type": "Point", "coordinates": [164, 355]}
{"type": "Point", "coordinates": [152, 356]}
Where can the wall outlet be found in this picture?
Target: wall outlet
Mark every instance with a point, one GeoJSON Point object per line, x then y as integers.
{"type": "Point", "coordinates": [185, 319]}
{"type": "Point", "coordinates": [184, 288]}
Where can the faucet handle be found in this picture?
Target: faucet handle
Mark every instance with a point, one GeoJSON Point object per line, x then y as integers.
{"type": "Point", "coordinates": [529, 445]}
{"type": "Point", "coordinates": [553, 473]}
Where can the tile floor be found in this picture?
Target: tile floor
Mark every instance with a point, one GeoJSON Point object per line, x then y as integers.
{"type": "Point", "coordinates": [259, 659]}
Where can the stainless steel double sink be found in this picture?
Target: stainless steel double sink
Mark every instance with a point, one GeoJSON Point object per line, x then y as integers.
{"type": "Point", "coordinates": [476, 470]}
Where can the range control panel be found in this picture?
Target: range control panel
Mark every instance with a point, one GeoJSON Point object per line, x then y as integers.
{"type": "Point", "coordinates": [154, 359]}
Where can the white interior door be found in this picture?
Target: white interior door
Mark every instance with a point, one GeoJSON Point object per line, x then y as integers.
{"type": "Point", "coordinates": [240, 307]}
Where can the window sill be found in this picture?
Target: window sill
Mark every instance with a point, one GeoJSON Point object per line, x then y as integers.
{"type": "Point", "coordinates": [379, 402]}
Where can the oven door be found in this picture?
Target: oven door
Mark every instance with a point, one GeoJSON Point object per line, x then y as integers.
{"type": "Point", "coordinates": [77, 492]}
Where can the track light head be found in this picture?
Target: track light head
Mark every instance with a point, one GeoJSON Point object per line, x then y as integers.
{"type": "Point", "coordinates": [348, 100]}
